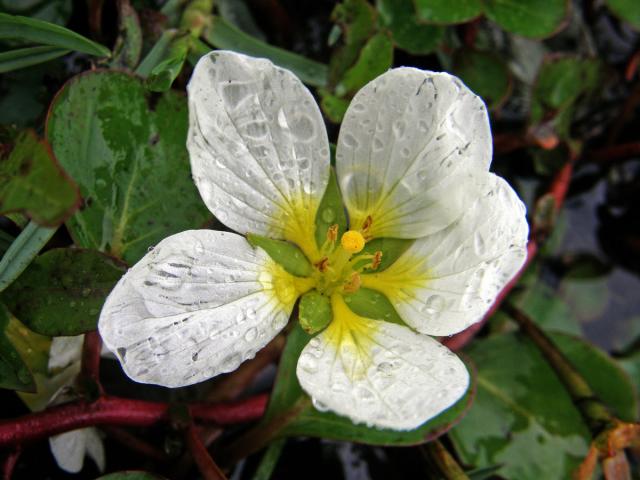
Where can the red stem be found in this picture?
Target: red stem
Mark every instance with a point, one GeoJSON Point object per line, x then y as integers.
{"type": "Point", "coordinates": [91, 349]}
{"type": "Point", "coordinates": [120, 411]}
{"type": "Point", "coordinates": [615, 153]}
{"type": "Point", "coordinates": [558, 189]}
{"type": "Point", "coordinates": [206, 465]}
{"type": "Point", "coordinates": [10, 462]}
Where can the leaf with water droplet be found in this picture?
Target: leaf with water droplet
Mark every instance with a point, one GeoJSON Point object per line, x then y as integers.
{"type": "Point", "coordinates": [14, 373]}
{"type": "Point", "coordinates": [137, 187]}
{"type": "Point", "coordinates": [62, 291]}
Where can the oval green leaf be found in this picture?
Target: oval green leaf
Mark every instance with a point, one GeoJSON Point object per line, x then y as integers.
{"type": "Point", "coordinates": [447, 11]}
{"type": "Point", "coordinates": [530, 18]}
{"type": "Point", "coordinates": [486, 74]}
{"type": "Point", "coordinates": [126, 149]}
{"type": "Point", "coordinates": [523, 417]}
{"type": "Point", "coordinates": [408, 34]}
{"type": "Point", "coordinates": [288, 255]}
{"type": "Point", "coordinates": [63, 290]}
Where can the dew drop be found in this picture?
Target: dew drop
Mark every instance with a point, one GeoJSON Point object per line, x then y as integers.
{"type": "Point", "coordinates": [377, 144]}
{"type": "Point", "coordinates": [479, 244]}
{"type": "Point", "coordinates": [251, 334]}
{"type": "Point", "coordinates": [350, 141]}
{"type": "Point", "coordinates": [321, 407]}
{"type": "Point", "coordinates": [399, 127]}
{"type": "Point", "coordinates": [328, 215]}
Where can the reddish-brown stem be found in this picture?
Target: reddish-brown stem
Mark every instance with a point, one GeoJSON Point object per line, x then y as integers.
{"type": "Point", "coordinates": [120, 411]}
{"type": "Point", "coordinates": [206, 465]}
{"type": "Point", "coordinates": [91, 349]}
{"type": "Point", "coordinates": [10, 462]}
{"type": "Point", "coordinates": [558, 190]}
{"type": "Point", "coordinates": [615, 153]}
{"type": "Point", "coordinates": [134, 443]}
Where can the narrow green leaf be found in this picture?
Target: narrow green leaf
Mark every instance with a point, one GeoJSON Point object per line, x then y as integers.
{"type": "Point", "coordinates": [290, 411]}
{"type": "Point", "coordinates": [627, 10]}
{"type": "Point", "coordinates": [225, 36]}
{"type": "Point", "coordinates": [523, 418]}
{"type": "Point", "coordinates": [408, 34]}
{"type": "Point", "coordinates": [331, 211]}
{"type": "Point", "coordinates": [22, 251]}
{"type": "Point", "coordinates": [314, 312]}
{"type": "Point", "coordinates": [127, 151]}
{"type": "Point", "coordinates": [164, 73]}
{"type": "Point", "coordinates": [286, 254]}
{"type": "Point", "coordinates": [486, 74]}
{"type": "Point", "coordinates": [269, 460]}
{"type": "Point", "coordinates": [156, 54]}
{"type": "Point", "coordinates": [62, 291]}
{"type": "Point", "coordinates": [31, 181]}
{"type": "Point", "coordinates": [26, 57]}
{"type": "Point", "coordinates": [447, 11]}
{"type": "Point", "coordinates": [38, 31]}
{"type": "Point", "coordinates": [14, 373]}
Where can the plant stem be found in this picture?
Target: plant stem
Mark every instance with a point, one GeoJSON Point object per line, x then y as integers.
{"type": "Point", "coordinates": [595, 414]}
{"type": "Point", "coordinates": [91, 349]}
{"type": "Point", "coordinates": [447, 466]}
{"type": "Point", "coordinates": [206, 465]}
{"type": "Point", "coordinates": [120, 411]}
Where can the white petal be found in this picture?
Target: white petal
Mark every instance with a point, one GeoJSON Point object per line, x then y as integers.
{"type": "Point", "coordinates": [196, 306]}
{"type": "Point", "coordinates": [95, 447]}
{"type": "Point", "coordinates": [258, 145]}
{"type": "Point", "coordinates": [447, 281]}
{"type": "Point", "coordinates": [379, 373]}
{"type": "Point", "coordinates": [64, 351]}
{"type": "Point", "coordinates": [408, 140]}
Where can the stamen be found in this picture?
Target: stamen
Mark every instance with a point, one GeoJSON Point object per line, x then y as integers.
{"type": "Point", "coordinates": [366, 225]}
{"type": "Point", "coordinates": [377, 259]}
{"type": "Point", "coordinates": [352, 241]}
{"type": "Point", "coordinates": [322, 265]}
{"type": "Point", "coordinates": [353, 284]}
{"type": "Point", "coordinates": [332, 233]}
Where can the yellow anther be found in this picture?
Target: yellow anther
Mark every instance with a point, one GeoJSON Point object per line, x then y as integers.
{"type": "Point", "coordinates": [353, 284]}
{"type": "Point", "coordinates": [377, 260]}
{"type": "Point", "coordinates": [352, 241]}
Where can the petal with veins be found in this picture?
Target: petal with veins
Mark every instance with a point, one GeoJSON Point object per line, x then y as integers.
{"type": "Point", "coordinates": [379, 373]}
{"type": "Point", "coordinates": [409, 145]}
{"type": "Point", "coordinates": [258, 146]}
{"type": "Point", "coordinates": [197, 305]}
{"type": "Point", "coordinates": [447, 281]}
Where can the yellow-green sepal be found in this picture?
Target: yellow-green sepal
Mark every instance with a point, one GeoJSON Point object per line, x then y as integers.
{"type": "Point", "coordinates": [370, 303]}
{"type": "Point", "coordinates": [314, 312]}
{"type": "Point", "coordinates": [391, 249]}
{"type": "Point", "coordinates": [286, 254]}
{"type": "Point", "coordinates": [331, 211]}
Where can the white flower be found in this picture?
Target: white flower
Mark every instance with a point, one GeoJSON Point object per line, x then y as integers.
{"type": "Point", "coordinates": [412, 162]}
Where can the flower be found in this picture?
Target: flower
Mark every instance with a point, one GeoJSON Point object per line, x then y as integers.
{"type": "Point", "coordinates": [412, 163]}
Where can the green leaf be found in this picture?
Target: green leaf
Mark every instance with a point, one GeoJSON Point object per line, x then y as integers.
{"type": "Point", "coordinates": [530, 18]}
{"type": "Point", "coordinates": [314, 312]}
{"type": "Point", "coordinates": [22, 251]}
{"type": "Point", "coordinates": [128, 46]}
{"type": "Point", "coordinates": [523, 418]}
{"type": "Point", "coordinates": [375, 58]}
{"type": "Point", "coordinates": [32, 347]}
{"type": "Point", "coordinates": [156, 54]}
{"type": "Point", "coordinates": [627, 10]}
{"type": "Point", "coordinates": [408, 34]}
{"type": "Point", "coordinates": [290, 412]}
{"type": "Point", "coordinates": [223, 35]}
{"type": "Point", "coordinates": [164, 73]}
{"type": "Point", "coordinates": [269, 460]}
{"type": "Point", "coordinates": [631, 365]}
{"type": "Point", "coordinates": [447, 11]}
{"type": "Point", "coordinates": [333, 106]}
{"type": "Point", "coordinates": [284, 253]}
{"type": "Point", "coordinates": [560, 83]}
{"type": "Point", "coordinates": [38, 31]}
{"type": "Point", "coordinates": [26, 57]}
{"type": "Point", "coordinates": [331, 211]}
{"type": "Point", "coordinates": [14, 373]}
{"type": "Point", "coordinates": [31, 181]}
{"type": "Point", "coordinates": [391, 249]}
{"type": "Point", "coordinates": [484, 73]}
{"type": "Point", "coordinates": [62, 291]}
{"type": "Point", "coordinates": [127, 151]}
